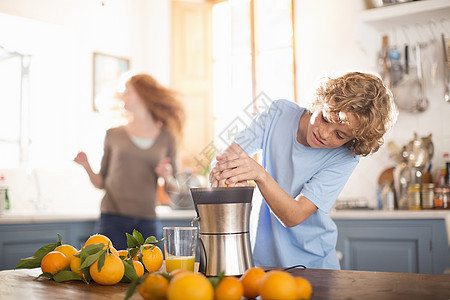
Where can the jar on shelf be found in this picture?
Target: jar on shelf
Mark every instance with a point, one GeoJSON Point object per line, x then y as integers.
{"type": "Point", "coordinates": [442, 197]}
{"type": "Point", "coordinates": [414, 202]}
{"type": "Point", "coordinates": [427, 195]}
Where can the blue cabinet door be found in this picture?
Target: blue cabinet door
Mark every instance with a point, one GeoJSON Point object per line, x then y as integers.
{"type": "Point", "coordinates": [385, 245]}
{"type": "Point", "coordinates": [20, 241]}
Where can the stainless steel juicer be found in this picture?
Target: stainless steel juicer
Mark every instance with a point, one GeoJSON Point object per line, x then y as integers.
{"type": "Point", "coordinates": [223, 215]}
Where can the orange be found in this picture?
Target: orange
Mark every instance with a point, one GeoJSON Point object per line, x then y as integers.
{"type": "Point", "coordinates": [250, 281]}
{"type": "Point", "coordinates": [179, 272]}
{"type": "Point", "coordinates": [125, 254]}
{"type": "Point", "coordinates": [279, 285]}
{"type": "Point", "coordinates": [229, 288]}
{"type": "Point", "coordinates": [138, 267]}
{"type": "Point", "coordinates": [67, 250]}
{"type": "Point", "coordinates": [192, 286]}
{"type": "Point", "coordinates": [54, 262]}
{"type": "Point", "coordinates": [103, 239]}
{"type": "Point", "coordinates": [154, 287]}
{"type": "Point", "coordinates": [111, 272]}
{"type": "Point", "coordinates": [75, 264]}
{"type": "Point", "coordinates": [152, 257]}
{"type": "Point", "coordinates": [304, 288]}
{"type": "Point", "coordinates": [98, 238]}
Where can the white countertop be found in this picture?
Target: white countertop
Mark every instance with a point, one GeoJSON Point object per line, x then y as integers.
{"type": "Point", "coordinates": [162, 212]}
{"type": "Point", "coordinates": [386, 215]}
{"type": "Point", "coordinates": [166, 213]}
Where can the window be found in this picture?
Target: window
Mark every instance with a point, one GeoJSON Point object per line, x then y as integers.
{"type": "Point", "coordinates": [14, 69]}
{"type": "Point", "coordinates": [39, 94]}
{"type": "Point", "coordinates": [253, 57]}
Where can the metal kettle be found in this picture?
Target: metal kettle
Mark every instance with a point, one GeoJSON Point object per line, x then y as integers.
{"type": "Point", "coordinates": [223, 216]}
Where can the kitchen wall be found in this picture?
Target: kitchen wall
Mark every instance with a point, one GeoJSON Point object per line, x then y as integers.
{"type": "Point", "coordinates": [73, 30]}
{"type": "Point", "coordinates": [328, 43]}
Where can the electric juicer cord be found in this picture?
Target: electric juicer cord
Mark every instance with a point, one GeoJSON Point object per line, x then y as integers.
{"type": "Point", "coordinates": [294, 267]}
{"type": "Point", "coordinates": [290, 268]}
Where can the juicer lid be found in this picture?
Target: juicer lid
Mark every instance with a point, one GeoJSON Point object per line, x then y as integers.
{"type": "Point", "coordinates": [221, 195]}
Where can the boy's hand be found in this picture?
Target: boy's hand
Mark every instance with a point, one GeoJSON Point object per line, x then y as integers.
{"type": "Point", "coordinates": [234, 167]}
{"type": "Point", "coordinates": [234, 151]}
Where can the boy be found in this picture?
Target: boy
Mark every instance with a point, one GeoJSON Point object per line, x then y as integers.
{"type": "Point", "coordinates": [307, 157]}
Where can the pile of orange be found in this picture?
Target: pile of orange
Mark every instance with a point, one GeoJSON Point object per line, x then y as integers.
{"type": "Point", "coordinates": [187, 285]}
{"type": "Point", "coordinates": [66, 257]}
{"type": "Point", "coordinates": [178, 285]}
{"type": "Point", "coordinates": [183, 285]}
{"type": "Point", "coordinates": [274, 284]}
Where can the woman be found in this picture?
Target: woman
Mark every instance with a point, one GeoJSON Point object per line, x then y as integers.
{"type": "Point", "coordinates": [135, 155]}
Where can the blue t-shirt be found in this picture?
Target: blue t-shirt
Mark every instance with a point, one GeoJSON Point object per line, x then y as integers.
{"type": "Point", "coordinates": [317, 174]}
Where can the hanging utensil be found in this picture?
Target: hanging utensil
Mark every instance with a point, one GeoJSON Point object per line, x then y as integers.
{"type": "Point", "coordinates": [422, 103]}
{"type": "Point", "coordinates": [407, 88]}
{"type": "Point", "coordinates": [406, 59]}
{"type": "Point", "coordinates": [446, 46]}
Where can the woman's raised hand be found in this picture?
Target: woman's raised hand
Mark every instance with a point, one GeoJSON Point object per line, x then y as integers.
{"type": "Point", "coordinates": [81, 159]}
{"type": "Point", "coordinates": [164, 169]}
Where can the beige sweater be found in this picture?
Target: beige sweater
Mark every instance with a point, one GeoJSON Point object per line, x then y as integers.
{"type": "Point", "coordinates": [128, 172]}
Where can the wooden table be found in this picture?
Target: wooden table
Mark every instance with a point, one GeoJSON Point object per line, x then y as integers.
{"type": "Point", "coordinates": [327, 284]}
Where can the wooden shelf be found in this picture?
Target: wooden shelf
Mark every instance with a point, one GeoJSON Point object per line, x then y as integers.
{"type": "Point", "coordinates": [405, 14]}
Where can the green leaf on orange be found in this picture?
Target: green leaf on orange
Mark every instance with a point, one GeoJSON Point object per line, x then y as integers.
{"type": "Point", "coordinates": [151, 240]}
{"type": "Point", "coordinates": [89, 260]}
{"type": "Point", "coordinates": [132, 241]}
{"type": "Point", "coordinates": [215, 280]}
{"type": "Point", "coordinates": [134, 283]}
{"type": "Point", "coordinates": [133, 252]}
{"type": "Point", "coordinates": [130, 273]}
{"type": "Point", "coordinates": [138, 236]}
{"type": "Point", "coordinates": [101, 261]}
{"type": "Point", "coordinates": [66, 276]}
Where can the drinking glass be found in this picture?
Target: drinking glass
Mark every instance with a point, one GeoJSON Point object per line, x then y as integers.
{"type": "Point", "coordinates": [179, 246]}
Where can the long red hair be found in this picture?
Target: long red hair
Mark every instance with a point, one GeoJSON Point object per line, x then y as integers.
{"type": "Point", "coordinates": [162, 103]}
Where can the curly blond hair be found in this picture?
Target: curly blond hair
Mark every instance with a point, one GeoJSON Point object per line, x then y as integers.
{"type": "Point", "coordinates": [365, 97]}
{"type": "Point", "coordinates": [161, 102]}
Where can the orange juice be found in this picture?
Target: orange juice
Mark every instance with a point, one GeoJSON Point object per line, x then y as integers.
{"type": "Point", "coordinates": [180, 262]}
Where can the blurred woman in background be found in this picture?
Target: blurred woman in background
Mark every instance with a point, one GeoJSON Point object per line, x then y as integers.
{"type": "Point", "coordinates": [135, 155]}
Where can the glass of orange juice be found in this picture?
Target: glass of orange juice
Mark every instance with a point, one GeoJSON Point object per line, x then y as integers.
{"type": "Point", "coordinates": [180, 244]}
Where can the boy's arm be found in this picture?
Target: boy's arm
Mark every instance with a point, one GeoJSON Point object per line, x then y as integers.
{"type": "Point", "coordinates": [235, 166]}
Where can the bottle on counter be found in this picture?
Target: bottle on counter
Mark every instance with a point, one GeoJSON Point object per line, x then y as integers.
{"type": "Point", "coordinates": [442, 197]}
{"type": "Point", "coordinates": [442, 189]}
{"type": "Point", "coordinates": [4, 199]}
{"type": "Point", "coordinates": [447, 168]}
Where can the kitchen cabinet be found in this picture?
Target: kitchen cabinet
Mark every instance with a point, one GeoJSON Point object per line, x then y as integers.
{"type": "Point", "coordinates": [20, 239]}
{"type": "Point", "coordinates": [394, 245]}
